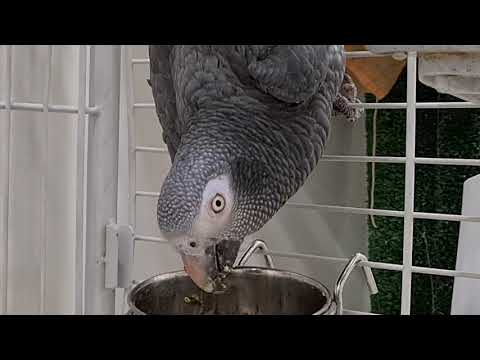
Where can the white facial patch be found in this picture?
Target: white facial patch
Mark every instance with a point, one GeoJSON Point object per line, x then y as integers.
{"type": "Point", "coordinates": [188, 245]}
{"type": "Point", "coordinates": [209, 223]}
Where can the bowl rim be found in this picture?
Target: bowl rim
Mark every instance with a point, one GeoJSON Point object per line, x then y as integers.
{"type": "Point", "coordinates": [240, 269]}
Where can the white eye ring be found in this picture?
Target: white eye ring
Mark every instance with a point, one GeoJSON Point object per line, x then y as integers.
{"type": "Point", "coordinates": [218, 203]}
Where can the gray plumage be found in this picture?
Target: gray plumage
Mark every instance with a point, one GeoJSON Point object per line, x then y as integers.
{"type": "Point", "coordinates": [258, 115]}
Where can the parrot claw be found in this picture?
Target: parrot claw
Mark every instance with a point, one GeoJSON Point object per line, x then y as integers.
{"type": "Point", "coordinates": [346, 97]}
{"type": "Point", "coordinates": [342, 107]}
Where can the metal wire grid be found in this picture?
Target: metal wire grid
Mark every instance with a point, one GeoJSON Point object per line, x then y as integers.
{"type": "Point", "coordinates": [82, 110]}
{"type": "Point", "coordinates": [408, 214]}
{"type": "Point", "coordinates": [86, 110]}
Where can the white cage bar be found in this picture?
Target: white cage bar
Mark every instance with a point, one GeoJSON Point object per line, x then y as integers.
{"type": "Point", "coordinates": [80, 183]}
{"type": "Point", "coordinates": [7, 185]}
{"type": "Point", "coordinates": [360, 159]}
{"type": "Point", "coordinates": [65, 109]}
{"type": "Point", "coordinates": [44, 178]}
{"type": "Point", "coordinates": [409, 184]}
{"type": "Point", "coordinates": [382, 106]}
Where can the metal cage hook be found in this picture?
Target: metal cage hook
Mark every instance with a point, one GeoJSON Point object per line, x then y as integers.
{"type": "Point", "coordinates": [257, 244]}
{"type": "Point", "coordinates": [372, 285]}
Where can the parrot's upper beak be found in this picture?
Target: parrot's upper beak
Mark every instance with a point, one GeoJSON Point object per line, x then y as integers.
{"type": "Point", "coordinates": [208, 270]}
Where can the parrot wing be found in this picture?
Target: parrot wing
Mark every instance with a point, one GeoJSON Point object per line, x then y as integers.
{"type": "Point", "coordinates": [294, 73]}
{"type": "Point", "coordinates": [164, 95]}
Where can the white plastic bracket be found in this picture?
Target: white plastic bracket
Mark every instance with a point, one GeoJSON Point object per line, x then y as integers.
{"type": "Point", "coordinates": [119, 256]}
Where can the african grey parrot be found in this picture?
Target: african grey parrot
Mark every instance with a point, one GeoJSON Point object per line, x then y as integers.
{"type": "Point", "coordinates": [245, 125]}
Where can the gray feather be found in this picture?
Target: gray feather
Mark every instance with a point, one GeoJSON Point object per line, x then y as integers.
{"type": "Point", "coordinates": [164, 95]}
{"type": "Point", "coordinates": [259, 112]}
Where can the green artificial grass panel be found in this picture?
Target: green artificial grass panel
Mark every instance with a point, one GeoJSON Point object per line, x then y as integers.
{"type": "Point", "coordinates": [439, 133]}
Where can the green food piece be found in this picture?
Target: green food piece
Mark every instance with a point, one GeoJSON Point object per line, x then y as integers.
{"type": "Point", "coordinates": [193, 299]}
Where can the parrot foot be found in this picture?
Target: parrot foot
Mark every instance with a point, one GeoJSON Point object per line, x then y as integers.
{"type": "Point", "coordinates": [346, 97]}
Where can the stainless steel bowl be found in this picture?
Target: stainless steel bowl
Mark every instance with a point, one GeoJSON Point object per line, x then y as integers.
{"type": "Point", "coordinates": [249, 291]}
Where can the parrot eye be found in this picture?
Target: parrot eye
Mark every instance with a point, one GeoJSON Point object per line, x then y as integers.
{"type": "Point", "coordinates": [218, 203]}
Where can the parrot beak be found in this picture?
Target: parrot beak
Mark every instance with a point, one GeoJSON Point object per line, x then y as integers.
{"type": "Point", "coordinates": [209, 269]}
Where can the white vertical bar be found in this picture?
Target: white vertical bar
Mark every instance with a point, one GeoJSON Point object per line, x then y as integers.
{"type": "Point", "coordinates": [409, 183]}
{"type": "Point", "coordinates": [44, 183]}
{"type": "Point", "coordinates": [127, 96]}
{"type": "Point", "coordinates": [7, 185]}
{"type": "Point", "coordinates": [132, 155]}
{"type": "Point", "coordinates": [80, 204]}
{"type": "Point", "coordinates": [102, 173]}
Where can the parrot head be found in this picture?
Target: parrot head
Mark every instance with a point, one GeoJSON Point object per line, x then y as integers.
{"type": "Point", "coordinates": [211, 199]}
